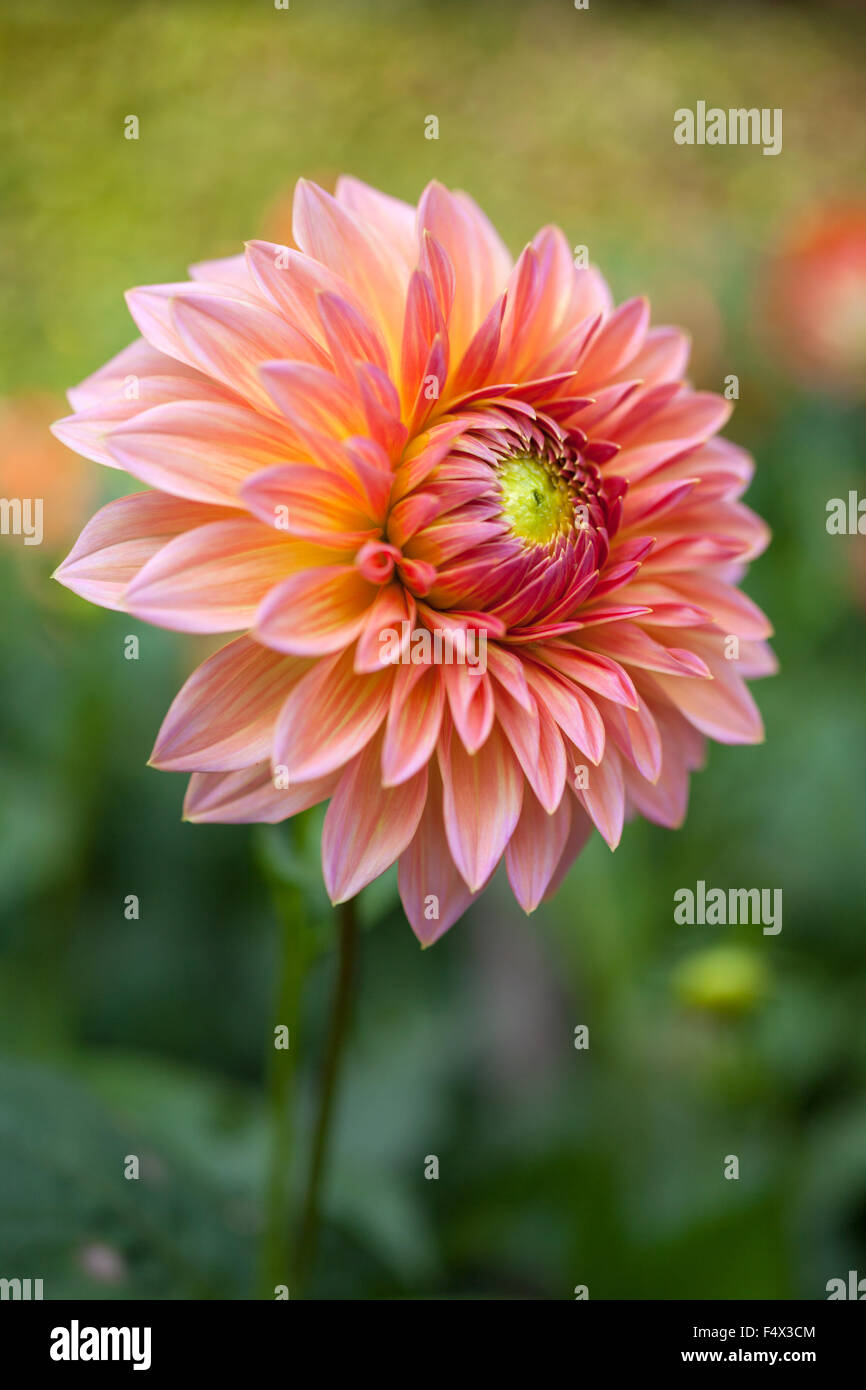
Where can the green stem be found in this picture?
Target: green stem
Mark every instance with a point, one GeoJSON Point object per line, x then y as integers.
{"type": "Point", "coordinates": [337, 1033]}
{"type": "Point", "coordinates": [275, 1260]}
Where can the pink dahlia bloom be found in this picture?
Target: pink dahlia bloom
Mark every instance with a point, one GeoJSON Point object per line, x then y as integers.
{"type": "Point", "coordinates": [391, 448]}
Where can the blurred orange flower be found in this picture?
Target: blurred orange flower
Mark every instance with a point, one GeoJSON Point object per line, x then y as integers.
{"type": "Point", "coordinates": [816, 307]}
{"type": "Point", "coordinates": [33, 464]}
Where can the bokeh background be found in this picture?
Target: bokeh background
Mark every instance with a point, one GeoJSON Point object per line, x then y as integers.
{"type": "Point", "coordinates": [558, 1167]}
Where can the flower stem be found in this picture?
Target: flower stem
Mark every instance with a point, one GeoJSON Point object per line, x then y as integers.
{"type": "Point", "coordinates": [337, 1033]}
{"type": "Point", "coordinates": [275, 1260]}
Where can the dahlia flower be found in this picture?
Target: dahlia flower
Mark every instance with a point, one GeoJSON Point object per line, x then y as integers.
{"type": "Point", "coordinates": [391, 429]}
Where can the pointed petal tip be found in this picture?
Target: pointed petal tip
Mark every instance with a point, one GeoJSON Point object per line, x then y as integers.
{"type": "Point", "coordinates": [340, 898]}
{"type": "Point", "coordinates": [167, 764]}
{"type": "Point", "coordinates": [431, 940]}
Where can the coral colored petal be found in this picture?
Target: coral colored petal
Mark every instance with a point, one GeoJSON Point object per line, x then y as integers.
{"type": "Point", "coordinates": [224, 716]}
{"type": "Point", "coordinates": [122, 376]}
{"type": "Point", "coordinates": [367, 825]}
{"type": "Point", "coordinates": [219, 332]}
{"type": "Point", "coordinates": [570, 707]}
{"type": "Point", "coordinates": [615, 344]}
{"type": "Point", "coordinates": [350, 337]}
{"type": "Point", "coordinates": [522, 729]}
{"type": "Point", "coordinates": [480, 262]}
{"type": "Point", "coordinates": [433, 892]}
{"type": "Point", "coordinates": [211, 579]}
{"type": "Point", "coordinates": [470, 699]}
{"type": "Point", "coordinates": [603, 798]}
{"type": "Point", "coordinates": [227, 270]}
{"type": "Point", "coordinates": [315, 611]}
{"type": "Point", "coordinates": [690, 416]}
{"type": "Point", "coordinates": [197, 449]}
{"type": "Point", "coordinates": [636, 735]}
{"type": "Point", "coordinates": [315, 402]}
{"type": "Point", "coordinates": [118, 541]}
{"type": "Point", "coordinates": [391, 219]}
{"type": "Point", "coordinates": [348, 245]}
{"type": "Point", "coordinates": [535, 849]}
{"type": "Point", "coordinates": [310, 502]}
{"type": "Point", "coordinates": [482, 798]}
{"type": "Point", "coordinates": [291, 282]}
{"type": "Point", "coordinates": [384, 636]}
{"type": "Point", "coordinates": [721, 708]}
{"type": "Point", "coordinates": [580, 831]}
{"type": "Point", "coordinates": [628, 643]}
{"type": "Point", "coordinates": [251, 795]}
{"type": "Point", "coordinates": [331, 714]}
{"type": "Point", "coordinates": [89, 430]}
{"type": "Point", "coordinates": [598, 673]}
{"type": "Point", "coordinates": [731, 609]}
{"type": "Point", "coordinates": [547, 776]}
{"type": "Point", "coordinates": [664, 357]}
{"type": "Point", "coordinates": [414, 721]}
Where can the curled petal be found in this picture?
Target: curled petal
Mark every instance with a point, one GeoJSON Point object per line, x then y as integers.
{"type": "Point", "coordinates": [414, 721]}
{"type": "Point", "coordinates": [310, 502]}
{"type": "Point", "coordinates": [251, 795]}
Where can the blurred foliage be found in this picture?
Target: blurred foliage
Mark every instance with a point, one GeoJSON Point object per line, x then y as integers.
{"type": "Point", "coordinates": [557, 1166]}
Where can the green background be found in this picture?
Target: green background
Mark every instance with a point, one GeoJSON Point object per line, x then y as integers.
{"type": "Point", "coordinates": [557, 1167]}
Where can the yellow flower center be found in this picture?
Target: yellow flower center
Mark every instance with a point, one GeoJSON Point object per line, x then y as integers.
{"type": "Point", "coordinates": [535, 500]}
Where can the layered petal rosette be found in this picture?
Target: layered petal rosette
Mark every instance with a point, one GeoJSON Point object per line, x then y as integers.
{"type": "Point", "coordinates": [480, 541]}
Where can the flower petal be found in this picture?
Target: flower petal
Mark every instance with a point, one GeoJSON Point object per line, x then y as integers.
{"type": "Point", "coordinates": [348, 245]}
{"type": "Point", "coordinates": [315, 611]}
{"type": "Point", "coordinates": [224, 717]}
{"type": "Point", "coordinates": [331, 714]}
{"type": "Point", "coordinates": [368, 826]}
{"type": "Point", "coordinates": [482, 798]}
{"type": "Point", "coordinates": [196, 449]}
{"type": "Point", "coordinates": [433, 892]}
{"type": "Point", "coordinates": [414, 721]}
{"type": "Point", "coordinates": [251, 795]}
{"type": "Point", "coordinates": [535, 849]}
{"type": "Point", "coordinates": [480, 261]}
{"type": "Point", "coordinates": [211, 579]}
{"type": "Point", "coordinates": [603, 798]}
{"type": "Point", "coordinates": [119, 540]}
